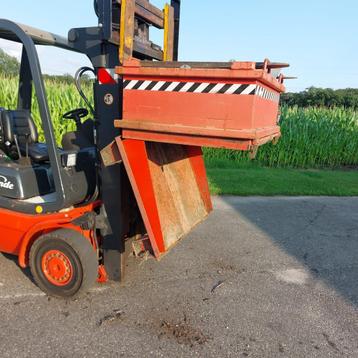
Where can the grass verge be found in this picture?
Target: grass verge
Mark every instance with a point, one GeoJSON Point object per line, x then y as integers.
{"type": "Point", "coordinates": [246, 181]}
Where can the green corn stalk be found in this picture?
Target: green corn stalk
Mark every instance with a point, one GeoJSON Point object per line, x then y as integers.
{"type": "Point", "coordinates": [61, 98]}
{"type": "Point", "coordinates": [311, 138]}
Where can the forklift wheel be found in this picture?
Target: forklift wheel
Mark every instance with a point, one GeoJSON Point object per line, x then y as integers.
{"type": "Point", "coordinates": [63, 263]}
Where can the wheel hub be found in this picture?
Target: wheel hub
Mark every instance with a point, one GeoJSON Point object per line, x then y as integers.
{"type": "Point", "coordinates": [57, 268]}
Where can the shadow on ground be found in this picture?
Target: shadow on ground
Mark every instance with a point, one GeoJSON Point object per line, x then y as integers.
{"type": "Point", "coordinates": [14, 259]}
{"type": "Point", "coordinates": [321, 233]}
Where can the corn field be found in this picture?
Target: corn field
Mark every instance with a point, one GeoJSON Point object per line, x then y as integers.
{"type": "Point", "coordinates": [311, 137]}
{"type": "Point", "coordinates": [61, 98]}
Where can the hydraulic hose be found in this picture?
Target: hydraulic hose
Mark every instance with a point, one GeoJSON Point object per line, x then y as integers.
{"type": "Point", "coordinates": [78, 76]}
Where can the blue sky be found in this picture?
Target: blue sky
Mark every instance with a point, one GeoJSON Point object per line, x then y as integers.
{"type": "Point", "coordinates": [318, 38]}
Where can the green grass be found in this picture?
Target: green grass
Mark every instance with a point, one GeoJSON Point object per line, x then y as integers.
{"type": "Point", "coordinates": [252, 180]}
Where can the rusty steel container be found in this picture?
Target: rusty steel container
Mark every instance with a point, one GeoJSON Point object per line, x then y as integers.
{"type": "Point", "coordinates": [231, 105]}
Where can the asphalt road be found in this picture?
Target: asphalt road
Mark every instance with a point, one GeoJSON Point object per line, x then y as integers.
{"type": "Point", "coordinates": [262, 277]}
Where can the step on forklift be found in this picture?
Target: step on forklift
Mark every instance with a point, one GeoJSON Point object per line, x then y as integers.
{"type": "Point", "coordinates": [133, 172]}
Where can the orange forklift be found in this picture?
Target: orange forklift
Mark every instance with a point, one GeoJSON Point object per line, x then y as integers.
{"type": "Point", "coordinates": [134, 171]}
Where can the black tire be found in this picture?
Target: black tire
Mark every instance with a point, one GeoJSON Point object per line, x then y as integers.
{"type": "Point", "coordinates": [77, 251]}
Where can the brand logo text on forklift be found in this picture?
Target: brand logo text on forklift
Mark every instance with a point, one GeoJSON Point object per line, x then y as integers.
{"type": "Point", "coordinates": [5, 183]}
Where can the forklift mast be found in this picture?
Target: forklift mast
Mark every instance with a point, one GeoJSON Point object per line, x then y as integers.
{"type": "Point", "coordinates": [123, 32]}
{"type": "Point", "coordinates": [110, 19]}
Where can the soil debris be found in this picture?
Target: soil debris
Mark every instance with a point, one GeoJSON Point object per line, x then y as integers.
{"type": "Point", "coordinates": [216, 286]}
{"type": "Point", "coordinates": [111, 318]}
{"type": "Point", "coordinates": [65, 313]}
{"type": "Point", "coordinates": [330, 343]}
{"type": "Point", "coordinates": [183, 333]}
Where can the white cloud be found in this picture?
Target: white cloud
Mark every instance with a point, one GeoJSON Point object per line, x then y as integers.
{"type": "Point", "coordinates": [57, 61]}
{"type": "Point", "coordinates": [11, 48]}
{"type": "Point", "coordinates": [53, 60]}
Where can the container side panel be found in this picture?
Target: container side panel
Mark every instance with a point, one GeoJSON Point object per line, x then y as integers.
{"type": "Point", "coordinates": [169, 182]}
{"type": "Point", "coordinates": [135, 160]}
{"type": "Point", "coordinates": [197, 163]}
{"type": "Point", "coordinates": [179, 200]}
{"type": "Point", "coordinates": [192, 109]}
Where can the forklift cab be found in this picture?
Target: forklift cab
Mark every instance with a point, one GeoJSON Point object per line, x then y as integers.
{"type": "Point", "coordinates": [41, 177]}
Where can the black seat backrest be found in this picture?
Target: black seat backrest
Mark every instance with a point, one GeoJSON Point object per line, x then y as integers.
{"type": "Point", "coordinates": [19, 123]}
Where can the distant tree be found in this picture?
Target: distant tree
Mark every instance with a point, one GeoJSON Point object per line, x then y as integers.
{"type": "Point", "coordinates": [322, 97]}
{"type": "Point", "coordinates": [8, 65]}
{"type": "Point", "coordinates": [65, 78]}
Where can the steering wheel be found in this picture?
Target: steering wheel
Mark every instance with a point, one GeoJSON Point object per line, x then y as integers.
{"type": "Point", "coordinates": [76, 115]}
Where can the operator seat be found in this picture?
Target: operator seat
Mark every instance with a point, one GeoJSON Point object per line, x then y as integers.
{"type": "Point", "coordinates": [18, 124]}
{"type": "Point", "coordinates": [81, 138]}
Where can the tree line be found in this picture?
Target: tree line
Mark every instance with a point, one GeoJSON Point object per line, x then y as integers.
{"type": "Point", "coordinates": [10, 66]}
{"type": "Point", "coordinates": [322, 97]}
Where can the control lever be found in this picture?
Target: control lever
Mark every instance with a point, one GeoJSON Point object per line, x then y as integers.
{"type": "Point", "coordinates": [17, 146]}
{"type": "Point", "coordinates": [27, 136]}
{"type": "Point", "coordinates": [22, 160]}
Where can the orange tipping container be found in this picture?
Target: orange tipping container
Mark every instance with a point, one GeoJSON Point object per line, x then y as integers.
{"type": "Point", "coordinates": [228, 105]}
{"type": "Point", "coordinates": [170, 111]}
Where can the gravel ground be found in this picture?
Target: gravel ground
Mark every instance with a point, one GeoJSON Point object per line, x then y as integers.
{"type": "Point", "coordinates": [262, 277]}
